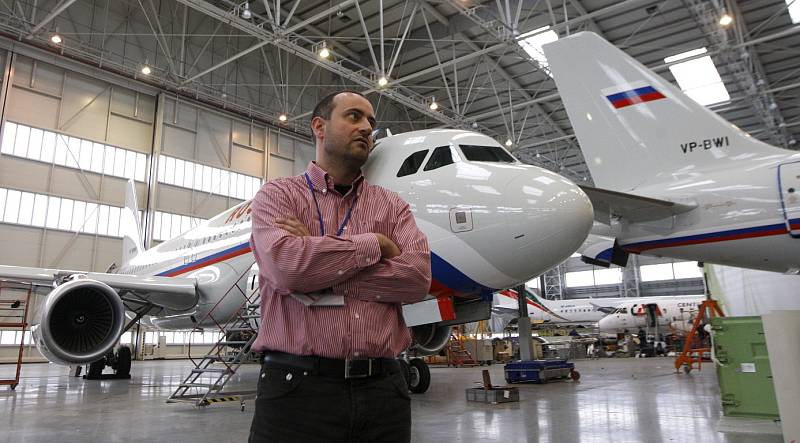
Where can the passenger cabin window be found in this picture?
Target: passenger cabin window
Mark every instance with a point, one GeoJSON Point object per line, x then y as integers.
{"type": "Point", "coordinates": [495, 154]}
{"type": "Point", "coordinates": [441, 157]}
{"type": "Point", "coordinates": [412, 163]}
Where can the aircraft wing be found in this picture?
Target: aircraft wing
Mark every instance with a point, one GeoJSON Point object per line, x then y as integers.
{"type": "Point", "coordinates": [168, 292]}
{"type": "Point", "coordinates": [631, 207]}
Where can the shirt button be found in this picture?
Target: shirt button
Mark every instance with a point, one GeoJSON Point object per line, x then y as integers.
{"type": "Point", "coordinates": [345, 292]}
{"type": "Point", "coordinates": [340, 272]}
{"type": "Point", "coordinates": [289, 377]}
{"type": "Point", "coordinates": [357, 316]}
{"type": "Point", "coordinates": [356, 353]}
{"type": "Point", "coordinates": [377, 297]}
{"type": "Point", "coordinates": [324, 191]}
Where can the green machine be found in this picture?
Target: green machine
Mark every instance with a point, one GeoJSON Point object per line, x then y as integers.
{"type": "Point", "coordinates": [744, 374]}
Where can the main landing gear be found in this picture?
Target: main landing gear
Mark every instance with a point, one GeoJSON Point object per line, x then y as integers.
{"type": "Point", "coordinates": [119, 361]}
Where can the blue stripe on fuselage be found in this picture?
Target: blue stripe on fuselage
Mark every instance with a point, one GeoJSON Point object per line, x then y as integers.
{"type": "Point", "coordinates": [443, 272]}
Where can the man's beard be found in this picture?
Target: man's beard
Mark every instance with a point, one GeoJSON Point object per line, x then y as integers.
{"type": "Point", "coordinates": [348, 157]}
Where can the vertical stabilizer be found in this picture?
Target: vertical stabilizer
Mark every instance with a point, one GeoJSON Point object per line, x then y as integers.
{"type": "Point", "coordinates": [634, 127]}
{"type": "Point", "coordinates": [129, 225]}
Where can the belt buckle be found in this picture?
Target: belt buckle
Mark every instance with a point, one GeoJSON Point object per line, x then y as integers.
{"type": "Point", "coordinates": [349, 374]}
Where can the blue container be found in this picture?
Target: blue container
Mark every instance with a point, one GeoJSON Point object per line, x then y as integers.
{"type": "Point", "coordinates": [539, 371]}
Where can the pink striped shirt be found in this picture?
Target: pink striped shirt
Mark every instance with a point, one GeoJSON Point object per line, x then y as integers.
{"type": "Point", "coordinates": [370, 324]}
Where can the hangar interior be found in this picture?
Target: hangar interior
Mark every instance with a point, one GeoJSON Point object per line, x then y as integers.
{"type": "Point", "coordinates": [200, 102]}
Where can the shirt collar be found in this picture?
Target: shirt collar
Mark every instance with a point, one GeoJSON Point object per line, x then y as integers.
{"type": "Point", "coordinates": [321, 180]}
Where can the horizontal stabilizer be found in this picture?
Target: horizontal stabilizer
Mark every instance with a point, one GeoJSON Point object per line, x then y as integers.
{"type": "Point", "coordinates": [602, 251]}
{"type": "Point", "coordinates": [631, 207]}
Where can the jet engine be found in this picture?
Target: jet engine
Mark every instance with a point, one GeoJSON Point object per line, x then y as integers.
{"type": "Point", "coordinates": [80, 322]}
{"type": "Point", "coordinates": [430, 338]}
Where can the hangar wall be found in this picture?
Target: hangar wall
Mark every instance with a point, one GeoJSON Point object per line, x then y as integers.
{"type": "Point", "coordinates": [70, 141]}
{"type": "Point", "coordinates": [52, 107]}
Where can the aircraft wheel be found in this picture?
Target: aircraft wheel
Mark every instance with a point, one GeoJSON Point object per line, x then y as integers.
{"type": "Point", "coordinates": [574, 375]}
{"type": "Point", "coordinates": [420, 376]}
{"type": "Point", "coordinates": [123, 368]}
{"type": "Point", "coordinates": [96, 369]}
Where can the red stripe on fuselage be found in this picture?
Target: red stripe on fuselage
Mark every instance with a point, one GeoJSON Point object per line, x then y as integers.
{"type": "Point", "coordinates": [689, 242]}
{"type": "Point", "coordinates": [202, 264]}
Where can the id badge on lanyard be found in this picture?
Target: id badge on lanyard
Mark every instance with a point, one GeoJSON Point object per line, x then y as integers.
{"type": "Point", "coordinates": [324, 297]}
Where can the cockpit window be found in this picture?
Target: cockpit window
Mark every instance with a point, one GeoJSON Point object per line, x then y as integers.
{"type": "Point", "coordinates": [441, 157]}
{"type": "Point", "coordinates": [495, 154]}
{"type": "Point", "coordinates": [412, 163]}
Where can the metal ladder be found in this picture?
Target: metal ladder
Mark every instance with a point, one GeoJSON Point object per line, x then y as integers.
{"type": "Point", "coordinates": [14, 315]}
{"type": "Point", "coordinates": [205, 382]}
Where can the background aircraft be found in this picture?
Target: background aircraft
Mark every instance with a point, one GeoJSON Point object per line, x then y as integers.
{"type": "Point", "coordinates": [492, 222]}
{"type": "Point", "coordinates": [669, 312]}
{"type": "Point", "coordinates": [573, 312]}
{"type": "Point", "coordinates": [694, 186]}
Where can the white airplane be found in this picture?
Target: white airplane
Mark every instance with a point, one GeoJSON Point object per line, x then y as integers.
{"type": "Point", "coordinates": [671, 313]}
{"type": "Point", "coordinates": [573, 312]}
{"type": "Point", "coordinates": [492, 222]}
{"type": "Point", "coordinates": [672, 178]}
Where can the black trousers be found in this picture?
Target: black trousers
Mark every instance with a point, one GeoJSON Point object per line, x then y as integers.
{"type": "Point", "coordinates": [293, 407]}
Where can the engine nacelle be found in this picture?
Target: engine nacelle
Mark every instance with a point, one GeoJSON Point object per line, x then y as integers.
{"type": "Point", "coordinates": [80, 322]}
{"type": "Point", "coordinates": [430, 338]}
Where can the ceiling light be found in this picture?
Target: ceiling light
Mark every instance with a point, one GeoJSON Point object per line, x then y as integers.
{"type": "Point", "coordinates": [324, 52]}
{"type": "Point", "coordinates": [146, 70]}
{"type": "Point", "coordinates": [383, 81]}
{"type": "Point", "coordinates": [56, 39]}
{"type": "Point", "coordinates": [509, 143]}
{"type": "Point", "coordinates": [725, 20]}
{"type": "Point", "coordinates": [283, 117]}
{"type": "Point", "coordinates": [474, 125]}
{"type": "Point", "coordinates": [246, 14]}
{"type": "Point", "coordinates": [434, 106]}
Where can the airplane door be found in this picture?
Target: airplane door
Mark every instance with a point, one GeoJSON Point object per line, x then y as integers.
{"type": "Point", "coordinates": [789, 182]}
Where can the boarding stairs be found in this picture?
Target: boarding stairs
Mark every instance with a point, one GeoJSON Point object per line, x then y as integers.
{"type": "Point", "coordinates": [205, 382]}
{"type": "Point", "coordinates": [457, 353]}
{"type": "Point", "coordinates": [14, 302]}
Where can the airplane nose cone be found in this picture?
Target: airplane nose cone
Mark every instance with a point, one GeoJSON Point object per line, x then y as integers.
{"type": "Point", "coordinates": [549, 218]}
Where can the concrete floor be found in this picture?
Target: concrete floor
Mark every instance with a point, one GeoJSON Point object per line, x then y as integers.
{"type": "Point", "coordinates": [619, 400]}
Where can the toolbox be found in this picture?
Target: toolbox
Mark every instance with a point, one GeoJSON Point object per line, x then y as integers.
{"type": "Point", "coordinates": [539, 371]}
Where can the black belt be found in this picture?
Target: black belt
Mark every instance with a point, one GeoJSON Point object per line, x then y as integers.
{"type": "Point", "coordinates": [331, 367]}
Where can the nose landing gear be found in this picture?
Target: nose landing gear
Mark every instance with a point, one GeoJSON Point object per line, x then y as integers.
{"type": "Point", "coordinates": [417, 375]}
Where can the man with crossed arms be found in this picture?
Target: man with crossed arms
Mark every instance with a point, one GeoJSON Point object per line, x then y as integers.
{"type": "Point", "coordinates": [330, 371]}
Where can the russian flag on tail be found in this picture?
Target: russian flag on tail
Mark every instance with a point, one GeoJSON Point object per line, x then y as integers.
{"type": "Point", "coordinates": [634, 96]}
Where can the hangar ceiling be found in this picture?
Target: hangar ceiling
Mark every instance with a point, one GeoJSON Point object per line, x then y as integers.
{"type": "Point", "coordinates": [261, 59]}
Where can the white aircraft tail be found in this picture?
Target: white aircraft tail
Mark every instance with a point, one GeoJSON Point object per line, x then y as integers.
{"type": "Point", "coordinates": [634, 127]}
{"type": "Point", "coordinates": [129, 225]}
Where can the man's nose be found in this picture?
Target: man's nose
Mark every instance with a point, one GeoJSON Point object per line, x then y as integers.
{"type": "Point", "coordinates": [365, 128]}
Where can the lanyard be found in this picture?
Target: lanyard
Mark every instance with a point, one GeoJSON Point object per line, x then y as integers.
{"type": "Point", "coordinates": [319, 213]}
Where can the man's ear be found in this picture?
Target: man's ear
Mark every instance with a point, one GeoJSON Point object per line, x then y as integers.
{"type": "Point", "coordinates": [318, 127]}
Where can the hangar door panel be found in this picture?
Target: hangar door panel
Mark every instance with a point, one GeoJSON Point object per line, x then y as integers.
{"type": "Point", "coordinates": [789, 179]}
